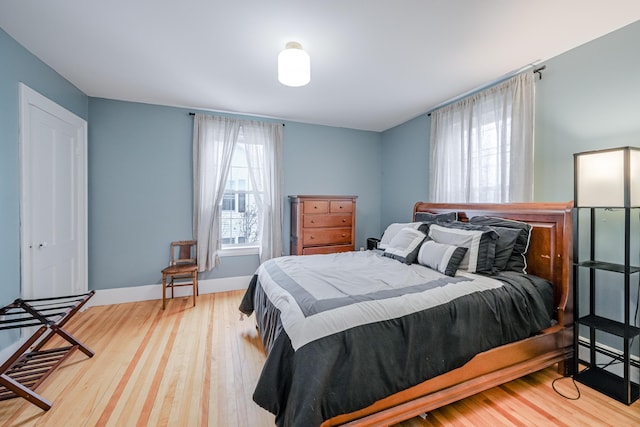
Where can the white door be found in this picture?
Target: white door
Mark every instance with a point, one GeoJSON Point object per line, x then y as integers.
{"type": "Point", "coordinates": [53, 209]}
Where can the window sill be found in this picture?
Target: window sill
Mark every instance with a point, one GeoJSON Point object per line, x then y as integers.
{"type": "Point", "coordinates": [239, 251]}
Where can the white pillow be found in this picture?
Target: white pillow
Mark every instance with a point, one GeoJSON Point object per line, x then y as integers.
{"type": "Point", "coordinates": [392, 230]}
{"type": "Point", "coordinates": [440, 256]}
{"type": "Point", "coordinates": [481, 246]}
{"type": "Point", "coordinates": [405, 245]}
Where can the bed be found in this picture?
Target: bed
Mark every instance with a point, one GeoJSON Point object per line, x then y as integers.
{"type": "Point", "coordinates": [409, 343]}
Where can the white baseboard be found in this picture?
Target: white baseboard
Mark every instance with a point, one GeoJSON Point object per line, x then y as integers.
{"type": "Point", "coordinates": [153, 292]}
{"type": "Point", "coordinates": [615, 368]}
{"type": "Point", "coordinates": [7, 352]}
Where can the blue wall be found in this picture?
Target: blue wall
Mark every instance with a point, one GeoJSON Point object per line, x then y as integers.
{"type": "Point", "coordinates": [588, 99]}
{"type": "Point", "coordinates": [405, 172]}
{"type": "Point", "coordinates": [139, 190]}
{"type": "Point", "coordinates": [329, 160]}
{"type": "Point", "coordinates": [140, 179]}
{"type": "Point", "coordinates": [18, 65]}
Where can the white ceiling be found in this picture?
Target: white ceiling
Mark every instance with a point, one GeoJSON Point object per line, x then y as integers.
{"type": "Point", "coordinates": [374, 63]}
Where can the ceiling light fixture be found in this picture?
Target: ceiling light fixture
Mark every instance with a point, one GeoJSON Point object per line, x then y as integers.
{"type": "Point", "coordinates": [294, 66]}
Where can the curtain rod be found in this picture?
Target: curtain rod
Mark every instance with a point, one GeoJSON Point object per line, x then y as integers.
{"type": "Point", "coordinates": [193, 114]}
{"type": "Point", "coordinates": [536, 70]}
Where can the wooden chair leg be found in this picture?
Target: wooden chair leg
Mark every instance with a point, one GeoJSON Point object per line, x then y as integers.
{"type": "Point", "coordinates": [194, 280]}
{"type": "Point", "coordinates": [164, 290]}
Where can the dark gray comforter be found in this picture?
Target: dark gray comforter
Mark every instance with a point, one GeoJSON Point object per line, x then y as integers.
{"type": "Point", "coordinates": [353, 368]}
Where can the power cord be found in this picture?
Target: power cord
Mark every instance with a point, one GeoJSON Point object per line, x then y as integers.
{"type": "Point", "coordinates": [575, 385]}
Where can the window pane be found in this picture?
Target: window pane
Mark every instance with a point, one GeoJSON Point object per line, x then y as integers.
{"type": "Point", "coordinates": [239, 225]}
{"type": "Point", "coordinates": [228, 201]}
{"type": "Point", "coordinates": [242, 206]}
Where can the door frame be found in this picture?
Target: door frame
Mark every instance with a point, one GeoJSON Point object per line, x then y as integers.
{"type": "Point", "coordinates": [30, 98]}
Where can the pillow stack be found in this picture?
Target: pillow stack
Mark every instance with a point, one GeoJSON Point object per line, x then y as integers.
{"type": "Point", "coordinates": [484, 245]}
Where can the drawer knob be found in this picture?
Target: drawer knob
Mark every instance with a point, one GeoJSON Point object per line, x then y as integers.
{"type": "Point", "coordinates": [344, 220]}
{"type": "Point", "coordinates": [312, 237]}
{"type": "Point", "coordinates": [344, 235]}
{"type": "Point", "coordinates": [312, 221]}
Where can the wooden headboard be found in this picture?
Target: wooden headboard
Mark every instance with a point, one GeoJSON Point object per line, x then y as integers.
{"type": "Point", "coordinates": [550, 248]}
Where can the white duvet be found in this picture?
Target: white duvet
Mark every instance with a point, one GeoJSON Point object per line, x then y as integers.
{"type": "Point", "coordinates": [319, 295]}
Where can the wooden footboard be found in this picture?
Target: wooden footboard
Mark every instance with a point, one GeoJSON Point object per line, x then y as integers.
{"type": "Point", "coordinates": [549, 256]}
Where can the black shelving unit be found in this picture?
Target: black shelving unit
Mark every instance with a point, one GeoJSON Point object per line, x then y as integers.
{"type": "Point", "coordinates": [617, 281]}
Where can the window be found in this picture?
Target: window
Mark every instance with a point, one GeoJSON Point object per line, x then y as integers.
{"type": "Point", "coordinates": [482, 146]}
{"type": "Point", "coordinates": [239, 225]}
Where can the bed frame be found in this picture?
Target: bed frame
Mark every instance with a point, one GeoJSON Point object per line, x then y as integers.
{"type": "Point", "coordinates": [549, 256]}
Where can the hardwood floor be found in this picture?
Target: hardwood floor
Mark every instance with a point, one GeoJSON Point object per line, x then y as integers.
{"type": "Point", "coordinates": [197, 367]}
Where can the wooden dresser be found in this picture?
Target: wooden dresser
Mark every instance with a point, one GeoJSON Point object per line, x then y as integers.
{"type": "Point", "coordinates": [322, 224]}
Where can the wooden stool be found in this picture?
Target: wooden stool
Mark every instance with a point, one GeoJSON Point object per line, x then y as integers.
{"type": "Point", "coordinates": [182, 269]}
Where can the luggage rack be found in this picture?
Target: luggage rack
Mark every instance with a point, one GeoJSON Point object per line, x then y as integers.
{"type": "Point", "coordinates": [29, 366]}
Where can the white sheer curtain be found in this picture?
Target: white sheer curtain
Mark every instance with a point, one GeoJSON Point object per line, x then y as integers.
{"type": "Point", "coordinates": [482, 146]}
{"type": "Point", "coordinates": [264, 157]}
{"type": "Point", "coordinates": [214, 141]}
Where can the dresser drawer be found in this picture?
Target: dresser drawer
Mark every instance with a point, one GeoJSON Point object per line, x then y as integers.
{"type": "Point", "coordinates": [337, 220]}
{"type": "Point", "coordinates": [326, 236]}
{"type": "Point", "coordinates": [338, 206]}
{"type": "Point", "coordinates": [316, 207]}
